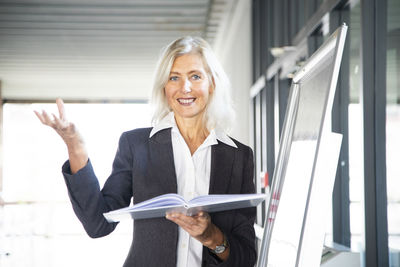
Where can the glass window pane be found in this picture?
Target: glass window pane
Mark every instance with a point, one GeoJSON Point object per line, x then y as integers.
{"type": "Point", "coordinates": [37, 225]}
{"type": "Point", "coordinates": [393, 130]}
{"type": "Point", "coordinates": [356, 176]}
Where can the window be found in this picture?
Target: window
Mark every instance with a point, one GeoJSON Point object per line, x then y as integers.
{"type": "Point", "coordinates": [356, 176]}
{"type": "Point", "coordinates": [37, 224]}
{"type": "Point", "coordinates": [393, 130]}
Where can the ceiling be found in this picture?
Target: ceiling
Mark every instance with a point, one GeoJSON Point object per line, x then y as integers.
{"type": "Point", "coordinates": [94, 49]}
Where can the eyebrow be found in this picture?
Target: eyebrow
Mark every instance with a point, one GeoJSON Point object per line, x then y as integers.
{"type": "Point", "coordinates": [192, 71]}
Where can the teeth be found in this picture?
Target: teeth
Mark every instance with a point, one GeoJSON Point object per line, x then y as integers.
{"type": "Point", "coordinates": [186, 101]}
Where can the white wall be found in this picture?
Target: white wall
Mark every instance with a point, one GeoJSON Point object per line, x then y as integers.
{"type": "Point", "coordinates": [233, 48]}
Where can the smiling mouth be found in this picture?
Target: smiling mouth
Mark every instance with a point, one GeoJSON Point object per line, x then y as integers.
{"type": "Point", "coordinates": [186, 101]}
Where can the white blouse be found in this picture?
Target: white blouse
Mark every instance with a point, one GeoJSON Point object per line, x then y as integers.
{"type": "Point", "coordinates": [193, 179]}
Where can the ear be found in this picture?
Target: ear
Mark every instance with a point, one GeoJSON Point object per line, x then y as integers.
{"type": "Point", "coordinates": [212, 86]}
{"type": "Point", "coordinates": [165, 93]}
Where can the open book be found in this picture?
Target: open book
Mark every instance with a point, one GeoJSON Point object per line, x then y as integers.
{"type": "Point", "coordinates": [159, 206]}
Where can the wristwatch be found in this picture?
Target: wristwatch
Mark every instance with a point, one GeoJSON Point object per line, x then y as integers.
{"type": "Point", "coordinates": [221, 248]}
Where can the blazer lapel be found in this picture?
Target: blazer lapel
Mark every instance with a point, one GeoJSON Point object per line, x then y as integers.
{"type": "Point", "coordinates": [162, 160]}
{"type": "Point", "coordinates": [222, 158]}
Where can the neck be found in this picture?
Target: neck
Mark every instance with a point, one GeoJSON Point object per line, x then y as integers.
{"type": "Point", "coordinates": [193, 130]}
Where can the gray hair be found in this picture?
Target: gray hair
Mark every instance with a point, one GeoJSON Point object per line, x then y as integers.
{"type": "Point", "coordinates": [219, 111]}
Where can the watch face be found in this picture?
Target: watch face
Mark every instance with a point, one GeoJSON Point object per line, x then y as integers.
{"type": "Point", "coordinates": [219, 249]}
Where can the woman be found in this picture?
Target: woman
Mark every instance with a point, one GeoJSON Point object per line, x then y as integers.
{"type": "Point", "coordinates": [186, 152]}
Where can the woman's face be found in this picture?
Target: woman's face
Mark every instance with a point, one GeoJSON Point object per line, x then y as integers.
{"type": "Point", "coordinates": [188, 87]}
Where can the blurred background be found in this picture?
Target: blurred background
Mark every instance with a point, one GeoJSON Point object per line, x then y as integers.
{"type": "Point", "coordinates": [99, 56]}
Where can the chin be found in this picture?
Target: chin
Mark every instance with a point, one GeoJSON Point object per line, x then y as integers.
{"type": "Point", "coordinates": [189, 115]}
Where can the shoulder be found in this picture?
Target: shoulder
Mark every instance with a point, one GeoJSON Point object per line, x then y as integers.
{"type": "Point", "coordinates": [241, 146]}
{"type": "Point", "coordinates": [137, 135]}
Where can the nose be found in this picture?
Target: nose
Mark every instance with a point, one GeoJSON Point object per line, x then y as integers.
{"type": "Point", "coordinates": [187, 86]}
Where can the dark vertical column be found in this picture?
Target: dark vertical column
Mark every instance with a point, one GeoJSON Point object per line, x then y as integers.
{"type": "Point", "coordinates": [308, 9]}
{"type": "Point", "coordinates": [284, 88]}
{"type": "Point", "coordinates": [293, 18]}
{"type": "Point", "coordinates": [263, 36]}
{"type": "Point", "coordinates": [301, 11]}
{"type": "Point", "coordinates": [278, 19]}
{"type": "Point", "coordinates": [270, 30]}
{"type": "Point", "coordinates": [314, 41]}
{"type": "Point", "coordinates": [373, 39]}
{"type": "Point", "coordinates": [269, 94]}
{"type": "Point", "coordinates": [256, 39]}
{"type": "Point", "coordinates": [260, 54]}
{"type": "Point", "coordinates": [286, 22]}
{"type": "Point", "coordinates": [315, 5]}
{"type": "Point", "coordinates": [265, 142]}
{"type": "Point", "coordinates": [341, 200]}
{"type": "Point", "coordinates": [257, 150]}
{"type": "Point", "coordinates": [273, 39]}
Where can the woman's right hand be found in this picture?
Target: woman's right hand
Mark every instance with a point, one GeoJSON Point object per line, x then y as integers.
{"type": "Point", "coordinates": [61, 125]}
{"type": "Point", "coordinates": [76, 148]}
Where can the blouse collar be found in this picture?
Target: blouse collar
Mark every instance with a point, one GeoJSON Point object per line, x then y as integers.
{"type": "Point", "coordinates": [169, 122]}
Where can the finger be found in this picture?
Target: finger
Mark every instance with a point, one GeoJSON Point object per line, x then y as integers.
{"type": "Point", "coordinates": [193, 230]}
{"type": "Point", "coordinates": [181, 220]}
{"type": "Point", "coordinates": [203, 217]}
{"type": "Point", "coordinates": [203, 214]}
{"type": "Point", "coordinates": [61, 109]}
{"type": "Point", "coordinates": [58, 123]}
{"type": "Point", "coordinates": [174, 219]}
{"type": "Point", "coordinates": [47, 120]}
{"type": "Point", "coordinates": [187, 219]}
{"type": "Point", "coordinates": [40, 117]}
{"type": "Point", "coordinates": [174, 216]}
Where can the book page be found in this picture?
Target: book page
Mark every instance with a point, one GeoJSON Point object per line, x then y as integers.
{"type": "Point", "coordinates": [161, 201]}
{"type": "Point", "coordinates": [213, 199]}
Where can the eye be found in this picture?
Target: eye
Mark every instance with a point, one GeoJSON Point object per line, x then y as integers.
{"type": "Point", "coordinates": [196, 77]}
{"type": "Point", "coordinates": [173, 78]}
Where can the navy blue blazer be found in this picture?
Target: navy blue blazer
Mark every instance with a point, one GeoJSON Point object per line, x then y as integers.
{"type": "Point", "coordinates": [144, 168]}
